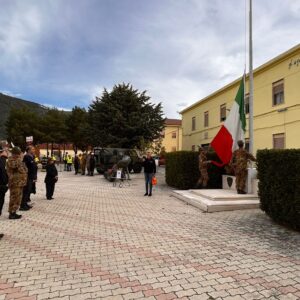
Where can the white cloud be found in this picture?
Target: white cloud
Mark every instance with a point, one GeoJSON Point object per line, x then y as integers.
{"type": "Point", "coordinates": [9, 93]}
{"type": "Point", "coordinates": [178, 50]}
{"type": "Point", "coordinates": [57, 107]}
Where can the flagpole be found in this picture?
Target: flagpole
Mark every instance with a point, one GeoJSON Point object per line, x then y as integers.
{"type": "Point", "coordinates": [250, 80]}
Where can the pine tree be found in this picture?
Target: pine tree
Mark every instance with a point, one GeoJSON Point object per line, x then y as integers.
{"type": "Point", "coordinates": [125, 118]}
{"type": "Point", "coordinates": [77, 128]}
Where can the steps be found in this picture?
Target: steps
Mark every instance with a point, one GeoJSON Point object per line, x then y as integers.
{"type": "Point", "coordinates": [217, 200]}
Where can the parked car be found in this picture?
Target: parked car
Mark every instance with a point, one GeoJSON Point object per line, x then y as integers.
{"type": "Point", "coordinates": [162, 161]}
{"type": "Point", "coordinates": [107, 157]}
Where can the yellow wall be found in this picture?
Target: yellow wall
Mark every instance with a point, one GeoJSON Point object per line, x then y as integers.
{"type": "Point", "coordinates": [169, 143]}
{"type": "Point", "coordinates": [267, 119]}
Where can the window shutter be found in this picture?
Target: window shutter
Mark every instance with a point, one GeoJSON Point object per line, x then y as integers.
{"type": "Point", "coordinates": [278, 141]}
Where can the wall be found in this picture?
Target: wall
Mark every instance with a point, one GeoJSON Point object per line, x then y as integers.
{"type": "Point", "coordinates": [268, 119]}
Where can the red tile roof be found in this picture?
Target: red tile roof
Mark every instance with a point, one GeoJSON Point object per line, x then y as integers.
{"type": "Point", "coordinates": [173, 122]}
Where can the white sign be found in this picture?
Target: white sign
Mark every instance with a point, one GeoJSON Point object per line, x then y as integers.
{"type": "Point", "coordinates": [29, 139]}
{"type": "Point", "coordinates": [119, 174]}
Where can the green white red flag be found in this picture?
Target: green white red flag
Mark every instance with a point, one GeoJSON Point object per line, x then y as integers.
{"type": "Point", "coordinates": [233, 129]}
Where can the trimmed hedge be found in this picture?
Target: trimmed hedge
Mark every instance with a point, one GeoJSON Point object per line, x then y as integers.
{"type": "Point", "coordinates": [182, 170]}
{"type": "Point", "coordinates": [279, 185]}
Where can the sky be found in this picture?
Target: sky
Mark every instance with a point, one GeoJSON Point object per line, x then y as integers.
{"type": "Point", "coordinates": [63, 53]}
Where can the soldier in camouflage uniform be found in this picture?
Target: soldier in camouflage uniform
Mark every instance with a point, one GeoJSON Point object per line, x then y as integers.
{"type": "Point", "coordinates": [240, 159]}
{"type": "Point", "coordinates": [203, 162]}
{"type": "Point", "coordinates": [17, 179]}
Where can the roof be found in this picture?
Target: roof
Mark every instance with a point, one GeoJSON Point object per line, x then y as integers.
{"type": "Point", "coordinates": [176, 122]}
{"type": "Point", "coordinates": [256, 71]}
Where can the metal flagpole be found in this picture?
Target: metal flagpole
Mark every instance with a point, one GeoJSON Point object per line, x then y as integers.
{"type": "Point", "coordinates": [250, 80]}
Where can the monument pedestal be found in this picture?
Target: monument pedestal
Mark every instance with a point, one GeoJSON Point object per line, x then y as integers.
{"type": "Point", "coordinates": [217, 200]}
{"type": "Point", "coordinates": [228, 182]}
{"type": "Point", "coordinates": [223, 199]}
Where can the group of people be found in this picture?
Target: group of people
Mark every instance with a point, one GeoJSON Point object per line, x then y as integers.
{"type": "Point", "coordinates": [18, 173]}
{"type": "Point", "coordinates": [85, 163]}
{"type": "Point", "coordinates": [239, 163]}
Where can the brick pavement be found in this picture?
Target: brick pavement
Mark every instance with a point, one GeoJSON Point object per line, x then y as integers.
{"type": "Point", "coordinates": [96, 241]}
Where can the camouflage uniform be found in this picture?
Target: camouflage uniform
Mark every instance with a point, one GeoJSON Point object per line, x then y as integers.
{"type": "Point", "coordinates": [17, 178]}
{"type": "Point", "coordinates": [240, 160]}
{"type": "Point", "coordinates": [203, 162]}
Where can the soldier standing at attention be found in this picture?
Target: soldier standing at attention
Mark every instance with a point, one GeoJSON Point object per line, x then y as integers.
{"type": "Point", "coordinates": [203, 162]}
{"type": "Point", "coordinates": [240, 159]}
{"type": "Point", "coordinates": [17, 179]}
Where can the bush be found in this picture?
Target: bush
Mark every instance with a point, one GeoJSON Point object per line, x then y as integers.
{"type": "Point", "coordinates": [279, 185]}
{"type": "Point", "coordinates": [182, 170]}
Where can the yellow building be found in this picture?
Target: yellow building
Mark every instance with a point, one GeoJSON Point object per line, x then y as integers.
{"type": "Point", "coordinates": [172, 135]}
{"type": "Point", "coordinates": [276, 107]}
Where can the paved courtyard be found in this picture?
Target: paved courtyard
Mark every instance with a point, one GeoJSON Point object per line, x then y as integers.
{"type": "Point", "coordinates": [96, 241]}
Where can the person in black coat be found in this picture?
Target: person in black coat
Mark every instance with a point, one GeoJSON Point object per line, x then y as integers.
{"type": "Point", "coordinates": [50, 179]}
{"type": "Point", "coordinates": [76, 164]}
{"type": "Point", "coordinates": [3, 177]}
{"type": "Point", "coordinates": [149, 171]}
{"type": "Point", "coordinates": [92, 164]}
{"type": "Point", "coordinates": [31, 179]}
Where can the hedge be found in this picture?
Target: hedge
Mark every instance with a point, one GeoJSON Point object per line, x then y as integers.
{"type": "Point", "coordinates": [279, 185]}
{"type": "Point", "coordinates": [182, 170]}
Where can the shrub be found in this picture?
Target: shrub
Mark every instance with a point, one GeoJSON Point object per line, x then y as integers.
{"type": "Point", "coordinates": [182, 170]}
{"type": "Point", "coordinates": [279, 185]}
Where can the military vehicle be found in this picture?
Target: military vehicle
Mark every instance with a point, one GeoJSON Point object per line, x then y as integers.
{"type": "Point", "coordinates": [106, 158]}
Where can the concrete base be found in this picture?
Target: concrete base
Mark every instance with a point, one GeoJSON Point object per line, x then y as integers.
{"type": "Point", "coordinates": [228, 182]}
{"type": "Point", "coordinates": [217, 200]}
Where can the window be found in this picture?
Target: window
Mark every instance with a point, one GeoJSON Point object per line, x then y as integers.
{"type": "Point", "coordinates": [278, 92]}
{"type": "Point", "coordinates": [193, 148]}
{"type": "Point", "coordinates": [247, 109]}
{"type": "Point", "coordinates": [222, 112]}
{"type": "Point", "coordinates": [173, 135]}
{"type": "Point", "coordinates": [278, 141]}
{"type": "Point", "coordinates": [162, 134]}
{"type": "Point", "coordinates": [173, 149]}
{"type": "Point", "coordinates": [193, 123]}
{"type": "Point", "coordinates": [247, 144]}
{"type": "Point", "coordinates": [206, 119]}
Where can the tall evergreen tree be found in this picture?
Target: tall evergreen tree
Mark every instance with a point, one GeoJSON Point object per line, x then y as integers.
{"type": "Point", "coordinates": [22, 123]}
{"type": "Point", "coordinates": [77, 128]}
{"type": "Point", "coordinates": [54, 126]}
{"type": "Point", "coordinates": [125, 118]}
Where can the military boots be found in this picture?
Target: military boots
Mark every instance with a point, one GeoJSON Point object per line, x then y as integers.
{"type": "Point", "coordinates": [14, 216]}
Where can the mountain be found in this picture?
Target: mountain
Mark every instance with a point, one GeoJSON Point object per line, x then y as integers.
{"type": "Point", "coordinates": [8, 102]}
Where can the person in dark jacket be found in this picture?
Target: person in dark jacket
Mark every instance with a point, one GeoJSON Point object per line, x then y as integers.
{"type": "Point", "coordinates": [76, 164]}
{"type": "Point", "coordinates": [149, 171]}
{"type": "Point", "coordinates": [50, 179]}
{"type": "Point", "coordinates": [31, 165]}
{"type": "Point", "coordinates": [92, 164]}
{"type": "Point", "coordinates": [3, 177]}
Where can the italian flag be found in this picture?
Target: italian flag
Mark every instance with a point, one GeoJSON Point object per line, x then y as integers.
{"type": "Point", "coordinates": [233, 129]}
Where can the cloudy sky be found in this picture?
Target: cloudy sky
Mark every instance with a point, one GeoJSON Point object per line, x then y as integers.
{"type": "Point", "coordinates": [64, 52]}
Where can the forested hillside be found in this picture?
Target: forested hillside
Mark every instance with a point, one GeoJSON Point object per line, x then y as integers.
{"type": "Point", "coordinates": [8, 102]}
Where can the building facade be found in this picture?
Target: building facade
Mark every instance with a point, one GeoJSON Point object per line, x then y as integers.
{"type": "Point", "coordinates": [276, 107]}
{"type": "Point", "coordinates": [172, 135]}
